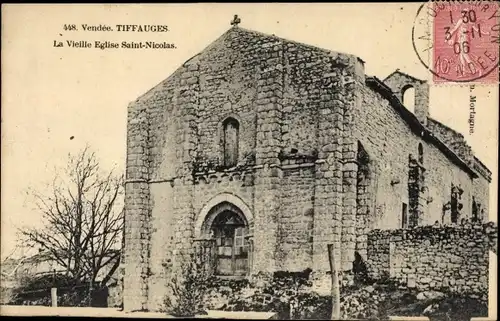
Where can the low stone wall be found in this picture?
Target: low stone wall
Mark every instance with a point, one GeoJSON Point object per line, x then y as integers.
{"type": "Point", "coordinates": [451, 258]}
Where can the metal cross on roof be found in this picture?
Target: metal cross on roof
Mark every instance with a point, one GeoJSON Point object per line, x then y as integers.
{"type": "Point", "coordinates": [236, 20]}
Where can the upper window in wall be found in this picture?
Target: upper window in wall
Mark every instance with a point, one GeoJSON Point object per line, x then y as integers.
{"type": "Point", "coordinates": [230, 142]}
{"type": "Point", "coordinates": [420, 153]}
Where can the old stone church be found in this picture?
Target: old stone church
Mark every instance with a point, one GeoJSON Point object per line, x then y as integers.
{"type": "Point", "coordinates": [262, 151]}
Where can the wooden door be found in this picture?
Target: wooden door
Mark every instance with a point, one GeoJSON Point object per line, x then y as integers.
{"type": "Point", "coordinates": [232, 251]}
{"type": "Point", "coordinates": [240, 262]}
{"type": "Point", "coordinates": [224, 244]}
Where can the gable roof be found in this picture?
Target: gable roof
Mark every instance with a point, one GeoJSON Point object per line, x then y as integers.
{"type": "Point", "coordinates": [448, 128]}
{"type": "Point", "coordinates": [398, 71]}
{"type": "Point", "coordinates": [265, 35]}
{"type": "Point", "coordinates": [237, 29]}
{"type": "Point", "coordinates": [176, 71]}
{"type": "Point", "coordinates": [373, 82]}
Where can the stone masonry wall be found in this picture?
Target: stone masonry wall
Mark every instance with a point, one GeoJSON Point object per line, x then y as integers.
{"type": "Point", "coordinates": [301, 112]}
{"type": "Point", "coordinates": [267, 79]}
{"type": "Point", "coordinates": [480, 190]}
{"type": "Point", "coordinates": [295, 231]}
{"type": "Point", "coordinates": [399, 82]}
{"type": "Point", "coordinates": [207, 186]}
{"type": "Point", "coordinates": [455, 258]}
{"type": "Point", "coordinates": [389, 141]}
{"type": "Point", "coordinates": [175, 129]}
{"type": "Point", "coordinates": [453, 139]}
{"type": "Point", "coordinates": [227, 83]}
{"type": "Point", "coordinates": [162, 238]}
{"type": "Point", "coordinates": [137, 214]}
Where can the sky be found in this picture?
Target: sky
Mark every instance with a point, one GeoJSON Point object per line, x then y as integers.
{"type": "Point", "coordinates": [51, 93]}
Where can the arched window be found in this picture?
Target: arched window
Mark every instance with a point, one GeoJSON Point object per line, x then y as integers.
{"type": "Point", "coordinates": [408, 97]}
{"type": "Point", "coordinates": [420, 153]}
{"type": "Point", "coordinates": [230, 142]}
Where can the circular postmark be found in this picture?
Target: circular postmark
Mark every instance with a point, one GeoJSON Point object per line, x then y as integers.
{"type": "Point", "coordinates": [458, 41]}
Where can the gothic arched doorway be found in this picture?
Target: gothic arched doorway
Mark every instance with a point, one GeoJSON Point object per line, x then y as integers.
{"type": "Point", "coordinates": [227, 227]}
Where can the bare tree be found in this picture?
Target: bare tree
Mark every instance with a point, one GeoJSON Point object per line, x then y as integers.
{"type": "Point", "coordinates": [83, 218]}
{"type": "Point", "coordinates": [12, 263]}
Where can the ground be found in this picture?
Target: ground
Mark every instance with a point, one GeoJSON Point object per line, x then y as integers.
{"type": "Point", "coordinates": [111, 312]}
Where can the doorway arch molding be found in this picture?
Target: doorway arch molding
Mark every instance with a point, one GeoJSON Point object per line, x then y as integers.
{"type": "Point", "coordinates": [216, 200]}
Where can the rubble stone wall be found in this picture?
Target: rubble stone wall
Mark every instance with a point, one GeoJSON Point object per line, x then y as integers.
{"type": "Point", "coordinates": [455, 258]}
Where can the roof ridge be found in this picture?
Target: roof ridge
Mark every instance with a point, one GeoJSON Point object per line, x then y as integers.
{"type": "Point", "coordinates": [415, 122]}
{"type": "Point", "coordinates": [240, 29]}
{"type": "Point", "coordinates": [444, 125]}
{"type": "Point", "coordinates": [152, 89]}
{"type": "Point", "coordinates": [328, 51]}
{"type": "Point", "coordinates": [403, 73]}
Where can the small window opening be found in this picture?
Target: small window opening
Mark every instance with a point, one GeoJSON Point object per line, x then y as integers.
{"type": "Point", "coordinates": [420, 153]}
{"type": "Point", "coordinates": [408, 95]}
{"type": "Point", "coordinates": [404, 216]}
{"type": "Point", "coordinates": [231, 142]}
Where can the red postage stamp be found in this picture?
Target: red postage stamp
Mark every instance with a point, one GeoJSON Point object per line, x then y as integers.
{"type": "Point", "coordinates": [465, 41]}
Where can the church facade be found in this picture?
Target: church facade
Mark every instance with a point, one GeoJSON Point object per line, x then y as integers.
{"type": "Point", "coordinates": [262, 151]}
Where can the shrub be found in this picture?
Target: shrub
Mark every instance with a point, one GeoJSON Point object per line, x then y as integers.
{"type": "Point", "coordinates": [313, 306]}
{"type": "Point", "coordinates": [187, 289]}
{"type": "Point", "coordinates": [278, 295]}
{"type": "Point", "coordinates": [456, 307]}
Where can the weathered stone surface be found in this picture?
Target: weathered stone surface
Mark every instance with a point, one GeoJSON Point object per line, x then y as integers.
{"type": "Point", "coordinates": [430, 295]}
{"type": "Point", "coordinates": [322, 157]}
{"type": "Point", "coordinates": [463, 268]}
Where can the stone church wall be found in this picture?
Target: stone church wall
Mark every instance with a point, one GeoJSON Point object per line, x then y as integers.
{"type": "Point", "coordinates": [481, 193]}
{"type": "Point", "coordinates": [295, 230]}
{"type": "Point", "coordinates": [388, 141]}
{"type": "Point", "coordinates": [301, 111]}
